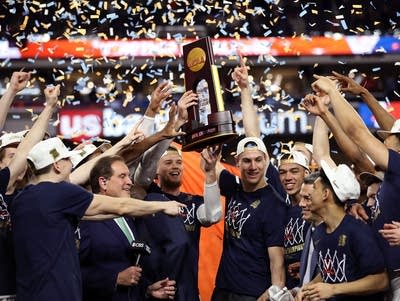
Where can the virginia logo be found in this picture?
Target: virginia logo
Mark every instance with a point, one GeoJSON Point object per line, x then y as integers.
{"type": "Point", "coordinates": [236, 216]}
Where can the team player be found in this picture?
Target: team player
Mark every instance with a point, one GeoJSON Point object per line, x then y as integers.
{"type": "Point", "coordinates": [293, 167]}
{"type": "Point", "coordinates": [13, 163]}
{"type": "Point", "coordinates": [350, 262]}
{"type": "Point", "coordinates": [252, 259]}
{"type": "Point", "coordinates": [386, 157]}
{"type": "Point", "coordinates": [45, 216]}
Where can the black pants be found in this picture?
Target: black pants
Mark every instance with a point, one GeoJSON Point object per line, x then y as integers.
{"type": "Point", "coordinates": [224, 295]}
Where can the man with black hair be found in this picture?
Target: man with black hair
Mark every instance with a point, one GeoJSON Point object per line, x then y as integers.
{"type": "Point", "coordinates": [350, 262]}
{"type": "Point", "coordinates": [293, 166]}
{"type": "Point", "coordinates": [385, 156]}
{"type": "Point", "coordinates": [308, 260]}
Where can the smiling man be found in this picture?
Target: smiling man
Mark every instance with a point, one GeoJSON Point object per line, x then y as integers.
{"type": "Point", "coordinates": [293, 167]}
{"type": "Point", "coordinates": [252, 259]}
{"type": "Point", "coordinates": [113, 275]}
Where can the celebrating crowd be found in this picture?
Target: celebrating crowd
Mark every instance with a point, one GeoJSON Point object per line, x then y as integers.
{"type": "Point", "coordinates": [110, 222]}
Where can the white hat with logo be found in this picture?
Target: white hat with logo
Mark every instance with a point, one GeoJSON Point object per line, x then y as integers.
{"type": "Point", "coordinates": [49, 151]}
{"type": "Point", "coordinates": [83, 153]}
{"type": "Point", "coordinates": [295, 157]}
{"type": "Point", "coordinates": [343, 181]}
{"type": "Point", "coordinates": [12, 138]}
{"type": "Point", "coordinates": [251, 143]}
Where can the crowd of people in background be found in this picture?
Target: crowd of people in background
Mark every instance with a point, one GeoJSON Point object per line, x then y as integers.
{"type": "Point", "coordinates": [110, 222]}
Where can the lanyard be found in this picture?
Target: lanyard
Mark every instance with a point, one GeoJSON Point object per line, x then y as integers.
{"type": "Point", "coordinates": [123, 225]}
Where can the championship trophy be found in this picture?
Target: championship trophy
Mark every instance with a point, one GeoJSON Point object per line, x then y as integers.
{"type": "Point", "coordinates": [208, 122]}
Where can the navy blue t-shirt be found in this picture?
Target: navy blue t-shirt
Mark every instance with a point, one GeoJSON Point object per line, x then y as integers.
{"type": "Point", "coordinates": [44, 218]}
{"type": "Point", "coordinates": [387, 209]}
{"type": "Point", "coordinates": [347, 254]}
{"type": "Point", "coordinates": [188, 277]}
{"type": "Point", "coordinates": [254, 221]}
{"type": "Point", "coordinates": [7, 262]}
{"type": "Point", "coordinates": [295, 233]}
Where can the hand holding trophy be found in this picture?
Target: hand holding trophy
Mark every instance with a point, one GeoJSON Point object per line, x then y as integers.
{"type": "Point", "coordinates": [208, 122]}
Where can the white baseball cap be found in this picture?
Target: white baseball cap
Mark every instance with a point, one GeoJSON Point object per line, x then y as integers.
{"type": "Point", "coordinates": [251, 143]}
{"type": "Point", "coordinates": [48, 151]}
{"type": "Point", "coordinates": [172, 149]}
{"type": "Point", "coordinates": [343, 181]}
{"type": "Point", "coordinates": [12, 138]}
{"type": "Point", "coordinates": [296, 157]}
{"type": "Point", "coordinates": [394, 130]}
{"type": "Point", "coordinates": [83, 153]}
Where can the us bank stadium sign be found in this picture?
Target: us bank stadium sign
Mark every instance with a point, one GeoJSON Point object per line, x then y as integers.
{"type": "Point", "coordinates": [86, 123]}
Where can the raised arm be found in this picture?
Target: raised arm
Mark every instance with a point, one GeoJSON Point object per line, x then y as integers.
{"type": "Point", "coordinates": [318, 106]}
{"type": "Point", "coordinates": [18, 82]}
{"type": "Point", "coordinates": [211, 211]}
{"type": "Point", "coordinates": [348, 85]}
{"type": "Point", "coordinates": [249, 112]}
{"type": "Point", "coordinates": [161, 93]}
{"type": "Point", "coordinates": [321, 147]}
{"type": "Point", "coordinates": [351, 122]}
{"type": "Point", "coordinates": [81, 174]}
{"type": "Point", "coordinates": [132, 153]}
{"type": "Point", "coordinates": [146, 170]}
{"type": "Point", "coordinates": [35, 134]}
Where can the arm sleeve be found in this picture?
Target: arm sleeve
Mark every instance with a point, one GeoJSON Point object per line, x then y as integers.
{"type": "Point", "coordinates": [147, 126]}
{"type": "Point", "coordinates": [211, 211]}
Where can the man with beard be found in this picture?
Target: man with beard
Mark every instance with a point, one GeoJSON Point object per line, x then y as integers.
{"type": "Point", "coordinates": [175, 241]}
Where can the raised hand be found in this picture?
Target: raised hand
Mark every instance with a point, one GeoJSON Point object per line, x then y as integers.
{"type": "Point", "coordinates": [161, 93]}
{"type": "Point", "coordinates": [134, 136]}
{"type": "Point", "coordinates": [51, 93]}
{"type": "Point", "coordinates": [210, 157]}
{"type": "Point", "coordinates": [314, 104]}
{"type": "Point", "coordinates": [188, 99]}
{"type": "Point", "coordinates": [129, 276]}
{"type": "Point", "coordinates": [323, 85]}
{"type": "Point", "coordinates": [19, 80]}
{"type": "Point", "coordinates": [348, 84]}
{"type": "Point", "coordinates": [169, 131]}
{"type": "Point", "coordinates": [163, 289]}
{"type": "Point", "coordinates": [240, 75]}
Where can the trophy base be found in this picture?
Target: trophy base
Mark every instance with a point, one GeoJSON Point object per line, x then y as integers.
{"type": "Point", "coordinates": [220, 129]}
